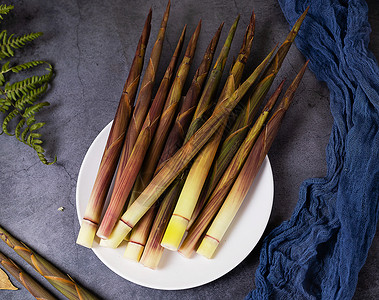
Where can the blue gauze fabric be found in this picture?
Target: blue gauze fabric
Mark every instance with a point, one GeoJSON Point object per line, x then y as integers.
{"type": "Point", "coordinates": [318, 253]}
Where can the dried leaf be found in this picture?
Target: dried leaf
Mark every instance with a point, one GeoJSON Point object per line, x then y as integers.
{"type": "Point", "coordinates": [5, 283]}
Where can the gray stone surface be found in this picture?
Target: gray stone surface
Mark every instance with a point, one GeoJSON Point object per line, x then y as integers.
{"type": "Point", "coordinates": [91, 45]}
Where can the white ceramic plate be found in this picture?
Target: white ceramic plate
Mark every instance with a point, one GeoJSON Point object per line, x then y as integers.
{"type": "Point", "coordinates": [176, 272]}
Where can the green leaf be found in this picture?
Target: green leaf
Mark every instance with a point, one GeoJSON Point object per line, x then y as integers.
{"type": "Point", "coordinates": [30, 121]}
{"type": "Point", "coordinates": [5, 103]}
{"type": "Point", "coordinates": [27, 65]}
{"type": "Point", "coordinates": [38, 148]}
{"type": "Point", "coordinates": [18, 129]}
{"type": "Point", "coordinates": [24, 135]}
{"type": "Point", "coordinates": [37, 141]}
{"type": "Point", "coordinates": [29, 111]}
{"type": "Point", "coordinates": [34, 135]}
{"type": "Point", "coordinates": [8, 119]}
{"type": "Point", "coordinates": [19, 100]}
{"type": "Point", "coordinates": [36, 126]}
{"type": "Point", "coordinates": [5, 9]}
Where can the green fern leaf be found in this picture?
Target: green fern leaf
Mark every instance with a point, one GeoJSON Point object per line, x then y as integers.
{"type": "Point", "coordinates": [12, 42]}
{"type": "Point", "coordinates": [36, 126]}
{"type": "Point", "coordinates": [18, 100]}
{"type": "Point", "coordinates": [5, 103]}
{"type": "Point", "coordinates": [44, 160]}
{"type": "Point", "coordinates": [3, 36]}
{"type": "Point", "coordinates": [32, 136]}
{"type": "Point", "coordinates": [17, 131]}
{"type": "Point", "coordinates": [20, 41]}
{"type": "Point", "coordinates": [31, 97]}
{"type": "Point", "coordinates": [30, 120]}
{"type": "Point", "coordinates": [24, 135]}
{"type": "Point", "coordinates": [13, 114]}
{"type": "Point", "coordinates": [38, 148]}
{"type": "Point", "coordinates": [5, 9]}
{"type": "Point", "coordinates": [37, 141]}
{"type": "Point", "coordinates": [21, 88]}
{"type": "Point", "coordinates": [23, 67]}
{"type": "Point", "coordinates": [32, 110]}
{"type": "Point", "coordinates": [5, 68]}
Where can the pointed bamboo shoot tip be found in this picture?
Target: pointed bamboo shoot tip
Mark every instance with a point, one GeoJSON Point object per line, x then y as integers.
{"type": "Point", "coordinates": [149, 17]}
{"type": "Point", "coordinates": [252, 18]}
{"type": "Point", "coordinates": [301, 18]}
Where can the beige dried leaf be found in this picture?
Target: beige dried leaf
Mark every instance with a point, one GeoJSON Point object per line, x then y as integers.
{"type": "Point", "coordinates": [5, 283]}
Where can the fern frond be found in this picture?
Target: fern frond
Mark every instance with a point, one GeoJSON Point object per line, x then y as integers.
{"type": "Point", "coordinates": [32, 136]}
{"type": "Point", "coordinates": [8, 44]}
{"type": "Point", "coordinates": [30, 120]}
{"type": "Point", "coordinates": [17, 131]}
{"type": "Point", "coordinates": [32, 139]}
{"type": "Point", "coordinates": [4, 69]}
{"type": "Point", "coordinates": [34, 142]}
{"type": "Point", "coordinates": [24, 135]}
{"type": "Point", "coordinates": [5, 9]}
{"type": "Point", "coordinates": [32, 110]}
{"type": "Point", "coordinates": [5, 103]}
{"type": "Point", "coordinates": [43, 158]}
{"type": "Point", "coordinates": [18, 100]}
{"type": "Point", "coordinates": [30, 97]}
{"type": "Point", "coordinates": [11, 115]}
{"type": "Point", "coordinates": [23, 87]}
{"type": "Point", "coordinates": [36, 126]}
{"type": "Point", "coordinates": [25, 66]}
{"type": "Point", "coordinates": [20, 41]}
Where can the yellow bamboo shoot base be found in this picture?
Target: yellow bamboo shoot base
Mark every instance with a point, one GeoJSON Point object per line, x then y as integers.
{"type": "Point", "coordinates": [208, 247]}
{"type": "Point", "coordinates": [151, 260]}
{"type": "Point", "coordinates": [174, 233]}
{"type": "Point", "coordinates": [86, 234]}
{"type": "Point", "coordinates": [133, 251]}
{"type": "Point", "coordinates": [117, 236]}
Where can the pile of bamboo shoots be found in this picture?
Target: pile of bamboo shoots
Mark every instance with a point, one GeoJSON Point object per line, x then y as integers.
{"type": "Point", "coordinates": [183, 162]}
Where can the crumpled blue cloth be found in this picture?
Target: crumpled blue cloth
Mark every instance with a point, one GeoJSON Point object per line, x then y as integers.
{"type": "Point", "coordinates": [318, 253]}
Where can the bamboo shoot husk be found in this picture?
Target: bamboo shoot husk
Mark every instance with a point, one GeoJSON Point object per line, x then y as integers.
{"type": "Point", "coordinates": [61, 281]}
{"type": "Point", "coordinates": [216, 199]}
{"type": "Point", "coordinates": [200, 168]}
{"type": "Point", "coordinates": [114, 144]}
{"type": "Point", "coordinates": [241, 125]}
{"type": "Point", "coordinates": [33, 287]}
{"type": "Point", "coordinates": [178, 162]}
{"type": "Point", "coordinates": [247, 175]}
{"type": "Point", "coordinates": [153, 250]}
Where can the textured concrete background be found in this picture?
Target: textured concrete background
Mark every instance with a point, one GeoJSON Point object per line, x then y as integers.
{"type": "Point", "coordinates": [91, 45]}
